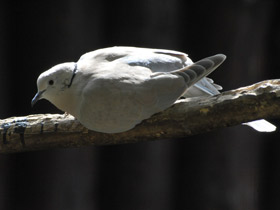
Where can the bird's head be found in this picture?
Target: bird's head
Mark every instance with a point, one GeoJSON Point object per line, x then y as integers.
{"type": "Point", "coordinates": [53, 82]}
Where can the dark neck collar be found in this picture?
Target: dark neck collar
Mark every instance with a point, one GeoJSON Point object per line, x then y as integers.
{"type": "Point", "coordinates": [73, 75]}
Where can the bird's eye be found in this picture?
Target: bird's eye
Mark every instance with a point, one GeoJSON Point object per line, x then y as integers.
{"type": "Point", "coordinates": [51, 82]}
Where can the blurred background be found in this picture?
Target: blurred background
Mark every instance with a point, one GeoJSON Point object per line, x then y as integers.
{"type": "Point", "coordinates": [233, 168]}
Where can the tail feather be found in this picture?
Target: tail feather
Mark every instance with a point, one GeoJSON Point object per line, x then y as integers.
{"type": "Point", "coordinates": [195, 72]}
{"type": "Point", "coordinates": [261, 125]}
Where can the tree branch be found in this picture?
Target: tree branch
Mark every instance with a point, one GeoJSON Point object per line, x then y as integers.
{"type": "Point", "coordinates": [186, 118]}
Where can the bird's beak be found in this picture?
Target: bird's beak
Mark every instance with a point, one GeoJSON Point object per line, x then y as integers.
{"type": "Point", "coordinates": [37, 97]}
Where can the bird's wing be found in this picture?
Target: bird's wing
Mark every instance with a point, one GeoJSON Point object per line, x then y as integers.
{"type": "Point", "coordinates": [157, 60]}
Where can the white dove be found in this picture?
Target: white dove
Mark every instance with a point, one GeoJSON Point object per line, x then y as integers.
{"type": "Point", "coordinates": [112, 90]}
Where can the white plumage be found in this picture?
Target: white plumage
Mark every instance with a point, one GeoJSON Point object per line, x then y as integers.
{"type": "Point", "coordinates": [112, 90]}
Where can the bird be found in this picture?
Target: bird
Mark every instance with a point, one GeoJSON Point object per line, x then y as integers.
{"type": "Point", "coordinates": [111, 90]}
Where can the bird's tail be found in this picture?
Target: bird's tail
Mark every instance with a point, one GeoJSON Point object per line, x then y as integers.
{"type": "Point", "coordinates": [195, 72]}
{"type": "Point", "coordinates": [261, 125]}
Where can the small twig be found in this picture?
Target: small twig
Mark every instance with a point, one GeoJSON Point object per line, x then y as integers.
{"type": "Point", "coordinates": [186, 118]}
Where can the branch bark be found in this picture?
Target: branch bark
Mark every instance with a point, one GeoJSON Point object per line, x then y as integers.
{"type": "Point", "coordinates": [186, 118]}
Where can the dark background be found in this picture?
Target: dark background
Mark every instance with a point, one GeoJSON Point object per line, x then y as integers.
{"type": "Point", "coordinates": [230, 169]}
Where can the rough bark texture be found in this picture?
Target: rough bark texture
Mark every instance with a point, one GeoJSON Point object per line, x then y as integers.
{"type": "Point", "coordinates": [187, 117]}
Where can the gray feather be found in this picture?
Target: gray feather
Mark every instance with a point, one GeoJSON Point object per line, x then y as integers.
{"type": "Point", "coordinates": [195, 72]}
